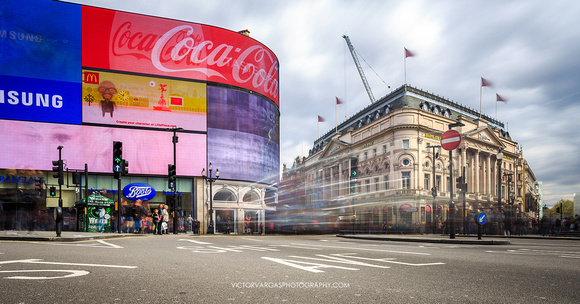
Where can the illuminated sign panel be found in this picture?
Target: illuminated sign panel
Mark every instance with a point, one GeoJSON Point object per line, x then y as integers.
{"type": "Point", "coordinates": [144, 44]}
{"type": "Point", "coordinates": [243, 136]}
{"type": "Point", "coordinates": [33, 146]}
{"type": "Point", "coordinates": [39, 100]}
{"type": "Point", "coordinates": [129, 100]}
{"type": "Point", "coordinates": [40, 61]}
{"type": "Point", "coordinates": [40, 39]}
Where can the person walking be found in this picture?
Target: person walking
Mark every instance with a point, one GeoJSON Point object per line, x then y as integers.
{"type": "Point", "coordinates": [156, 222]}
{"type": "Point", "coordinates": [166, 219]}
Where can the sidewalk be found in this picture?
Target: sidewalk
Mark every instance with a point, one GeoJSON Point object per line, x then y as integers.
{"type": "Point", "coordinates": [459, 238]}
{"type": "Point", "coordinates": [65, 236]}
{"type": "Point", "coordinates": [428, 238]}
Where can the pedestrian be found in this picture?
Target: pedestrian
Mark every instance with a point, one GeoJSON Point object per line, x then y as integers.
{"type": "Point", "coordinates": [156, 221]}
{"type": "Point", "coordinates": [189, 224]}
{"type": "Point", "coordinates": [138, 213]}
{"type": "Point", "coordinates": [166, 219]}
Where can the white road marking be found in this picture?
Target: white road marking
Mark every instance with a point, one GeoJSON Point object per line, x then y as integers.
{"type": "Point", "coordinates": [101, 242]}
{"type": "Point", "coordinates": [299, 247]}
{"type": "Point", "coordinates": [334, 259]}
{"type": "Point", "coordinates": [73, 273]}
{"type": "Point", "coordinates": [311, 267]}
{"type": "Point", "coordinates": [196, 242]}
{"type": "Point", "coordinates": [367, 249]}
{"type": "Point", "coordinates": [249, 239]}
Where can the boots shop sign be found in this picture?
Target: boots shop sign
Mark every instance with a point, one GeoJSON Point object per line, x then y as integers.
{"type": "Point", "coordinates": [122, 41]}
{"type": "Point", "coordinates": [143, 192]}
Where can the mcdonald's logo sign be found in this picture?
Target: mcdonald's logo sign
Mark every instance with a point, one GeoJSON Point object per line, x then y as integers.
{"type": "Point", "coordinates": [91, 77]}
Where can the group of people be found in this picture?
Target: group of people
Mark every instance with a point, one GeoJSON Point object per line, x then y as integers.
{"type": "Point", "coordinates": [138, 218]}
{"type": "Point", "coordinates": [160, 218]}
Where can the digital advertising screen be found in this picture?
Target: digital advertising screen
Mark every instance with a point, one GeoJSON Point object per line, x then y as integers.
{"type": "Point", "coordinates": [40, 39]}
{"type": "Point", "coordinates": [243, 136]}
{"type": "Point", "coordinates": [40, 61]}
{"type": "Point", "coordinates": [139, 101]}
{"type": "Point", "coordinates": [34, 145]}
{"type": "Point", "coordinates": [120, 41]}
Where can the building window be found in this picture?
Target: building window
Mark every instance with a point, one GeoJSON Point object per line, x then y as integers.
{"type": "Point", "coordinates": [374, 152]}
{"type": "Point", "coordinates": [376, 184]}
{"type": "Point", "coordinates": [448, 184]}
{"type": "Point", "coordinates": [368, 184]}
{"type": "Point", "coordinates": [384, 149]}
{"type": "Point", "coordinates": [438, 181]}
{"type": "Point", "coordinates": [405, 144]}
{"type": "Point", "coordinates": [427, 178]}
{"type": "Point", "coordinates": [426, 164]}
{"type": "Point", "coordinates": [406, 162]}
{"type": "Point", "coordinates": [366, 156]}
{"type": "Point", "coordinates": [386, 180]}
{"type": "Point", "coordinates": [406, 180]}
{"type": "Point", "coordinates": [387, 166]}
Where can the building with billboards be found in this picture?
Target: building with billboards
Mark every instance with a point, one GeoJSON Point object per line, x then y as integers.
{"type": "Point", "coordinates": [382, 170]}
{"type": "Point", "coordinates": [99, 76]}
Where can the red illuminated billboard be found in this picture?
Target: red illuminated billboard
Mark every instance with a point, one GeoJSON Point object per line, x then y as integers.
{"type": "Point", "coordinates": [122, 41]}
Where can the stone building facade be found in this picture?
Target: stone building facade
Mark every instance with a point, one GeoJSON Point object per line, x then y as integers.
{"type": "Point", "coordinates": [378, 169]}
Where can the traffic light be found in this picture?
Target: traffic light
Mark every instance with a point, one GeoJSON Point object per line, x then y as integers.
{"type": "Point", "coordinates": [117, 159]}
{"type": "Point", "coordinates": [57, 169]}
{"type": "Point", "coordinates": [125, 170]}
{"type": "Point", "coordinates": [38, 184]}
{"type": "Point", "coordinates": [459, 182]}
{"type": "Point", "coordinates": [557, 209]}
{"type": "Point", "coordinates": [171, 175]}
{"type": "Point", "coordinates": [354, 167]}
{"type": "Point", "coordinates": [52, 191]}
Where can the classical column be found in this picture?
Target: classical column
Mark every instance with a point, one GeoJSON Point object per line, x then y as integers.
{"type": "Point", "coordinates": [477, 171]}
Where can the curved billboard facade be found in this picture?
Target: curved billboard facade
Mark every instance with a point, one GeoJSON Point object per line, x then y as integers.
{"type": "Point", "coordinates": [141, 77]}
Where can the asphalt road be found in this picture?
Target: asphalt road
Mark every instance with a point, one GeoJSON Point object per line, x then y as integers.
{"type": "Point", "coordinates": [287, 269]}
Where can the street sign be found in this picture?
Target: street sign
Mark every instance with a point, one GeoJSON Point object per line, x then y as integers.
{"type": "Point", "coordinates": [117, 168]}
{"type": "Point", "coordinates": [481, 218]}
{"type": "Point", "coordinates": [450, 140]}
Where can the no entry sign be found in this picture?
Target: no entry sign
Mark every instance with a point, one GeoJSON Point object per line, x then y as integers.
{"type": "Point", "coordinates": [450, 140]}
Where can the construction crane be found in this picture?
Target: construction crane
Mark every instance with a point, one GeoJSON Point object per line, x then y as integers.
{"type": "Point", "coordinates": [359, 68]}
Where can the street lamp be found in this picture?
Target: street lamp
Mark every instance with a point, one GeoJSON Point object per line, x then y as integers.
{"type": "Point", "coordinates": [210, 180]}
{"type": "Point", "coordinates": [499, 158]}
{"type": "Point", "coordinates": [434, 188]}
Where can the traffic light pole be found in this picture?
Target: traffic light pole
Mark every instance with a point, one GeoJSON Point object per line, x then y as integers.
{"type": "Point", "coordinates": [58, 213]}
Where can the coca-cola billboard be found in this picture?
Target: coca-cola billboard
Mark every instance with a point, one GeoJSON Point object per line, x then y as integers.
{"type": "Point", "coordinates": [122, 41]}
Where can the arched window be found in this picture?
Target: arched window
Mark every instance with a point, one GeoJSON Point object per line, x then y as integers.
{"type": "Point", "coordinates": [224, 196]}
{"type": "Point", "coordinates": [251, 197]}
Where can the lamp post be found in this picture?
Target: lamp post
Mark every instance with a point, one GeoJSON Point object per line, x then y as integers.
{"type": "Point", "coordinates": [434, 189]}
{"type": "Point", "coordinates": [210, 180]}
{"type": "Point", "coordinates": [175, 139]}
{"type": "Point", "coordinates": [499, 158]}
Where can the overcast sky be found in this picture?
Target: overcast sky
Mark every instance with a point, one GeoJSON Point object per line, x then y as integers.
{"type": "Point", "coordinates": [528, 49]}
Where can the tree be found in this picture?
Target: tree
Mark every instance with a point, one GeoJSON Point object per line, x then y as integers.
{"type": "Point", "coordinates": [567, 207]}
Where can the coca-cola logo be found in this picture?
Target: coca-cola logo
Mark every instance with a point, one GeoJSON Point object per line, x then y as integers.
{"type": "Point", "coordinates": [143, 192]}
{"type": "Point", "coordinates": [184, 51]}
